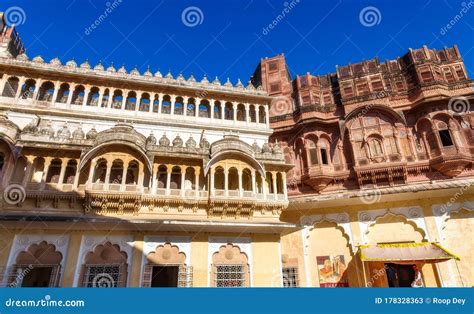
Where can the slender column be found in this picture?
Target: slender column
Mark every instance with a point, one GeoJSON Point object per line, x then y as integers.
{"type": "Point", "coordinates": [197, 172]}
{"type": "Point", "coordinates": [264, 187]}
{"type": "Point", "coordinates": [37, 87]}
{"type": "Point", "coordinates": [222, 110]}
{"type": "Point", "coordinates": [111, 97]}
{"type": "Point", "coordinates": [141, 177]}
{"type": "Point", "coordinates": [168, 178]}
{"type": "Point", "coordinates": [212, 104]}
{"type": "Point", "coordinates": [183, 180]}
{"type": "Point", "coordinates": [211, 188]}
{"type": "Point", "coordinates": [412, 145]}
{"type": "Point", "coordinates": [124, 99]}
{"type": "Point", "coordinates": [274, 181]}
{"type": "Point", "coordinates": [160, 102]}
{"type": "Point", "coordinates": [29, 167]}
{"type": "Point", "coordinates": [107, 174]}
{"type": "Point", "coordinates": [399, 146]}
{"type": "Point", "coordinates": [47, 162]}
{"type": "Point", "coordinates": [91, 173]}
{"type": "Point", "coordinates": [247, 113]}
{"type": "Point", "coordinates": [234, 110]}
{"type": "Point", "coordinates": [2, 84]}
{"type": "Point", "coordinates": [124, 176]}
{"type": "Point", "coordinates": [185, 106]}
{"type": "Point", "coordinates": [198, 103]}
{"type": "Point", "coordinates": [267, 119]}
{"type": "Point", "coordinates": [154, 179]}
{"type": "Point", "coordinates": [62, 173]}
{"type": "Point", "coordinates": [139, 99]}
{"type": "Point", "coordinates": [254, 182]}
{"type": "Point", "coordinates": [57, 86]}
{"type": "Point", "coordinates": [239, 173]}
{"type": "Point", "coordinates": [72, 87]}
{"type": "Point", "coordinates": [152, 102]}
{"type": "Point", "coordinates": [76, 176]}
{"type": "Point", "coordinates": [87, 90]}
{"type": "Point", "coordinates": [226, 181]}
{"type": "Point", "coordinates": [257, 114]}
{"type": "Point", "coordinates": [21, 81]}
{"type": "Point", "coordinates": [173, 102]}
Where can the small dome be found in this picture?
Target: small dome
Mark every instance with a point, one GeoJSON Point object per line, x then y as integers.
{"type": "Point", "coordinates": [164, 141]}
{"type": "Point", "coordinates": [169, 75]}
{"type": "Point", "coordinates": [55, 62]}
{"type": "Point", "coordinates": [47, 130]}
{"type": "Point", "coordinates": [216, 81]}
{"type": "Point", "coordinates": [64, 132]}
{"type": "Point", "coordinates": [78, 133]}
{"type": "Point", "coordinates": [277, 148]}
{"type": "Point", "coordinates": [122, 70]}
{"type": "Point", "coordinates": [239, 84]}
{"type": "Point", "coordinates": [148, 73]}
{"type": "Point", "coordinates": [204, 143]}
{"type": "Point", "coordinates": [111, 68]}
{"type": "Point", "coordinates": [228, 83]}
{"type": "Point", "coordinates": [158, 74]}
{"type": "Point", "coordinates": [191, 143]}
{"type": "Point", "coordinates": [38, 59]}
{"type": "Point", "coordinates": [180, 77]}
{"type": "Point", "coordinates": [99, 67]}
{"type": "Point", "coordinates": [85, 65]}
{"type": "Point", "coordinates": [23, 57]}
{"type": "Point", "coordinates": [266, 148]}
{"type": "Point", "coordinates": [250, 86]}
{"type": "Point", "coordinates": [151, 139]}
{"type": "Point", "coordinates": [177, 142]}
{"type": "Point", "coordinates": [205, 80]}
{"type": "Point", "coordinates": [71, 64]}
{"type": "Point", "coordinates": [256, 148]}
{"type": "Point", "coordinates": [135, 71]}
{"type": "Point", "coordinates": [191, 78]}
{"type": "Point", "coordinates": [92, 134]}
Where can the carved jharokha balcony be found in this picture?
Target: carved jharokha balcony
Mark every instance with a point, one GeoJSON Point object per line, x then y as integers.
{"type": "Point", "coordinates": [319, 176]}
{"type": "Point", "coordinates": [450, 160]}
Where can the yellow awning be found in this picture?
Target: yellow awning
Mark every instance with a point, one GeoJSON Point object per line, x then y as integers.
{"type": "Point", "coordinates": [405, 252]}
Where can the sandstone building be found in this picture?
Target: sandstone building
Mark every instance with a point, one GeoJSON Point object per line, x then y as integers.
{"type": "Point", "coordinates": [112, 178]}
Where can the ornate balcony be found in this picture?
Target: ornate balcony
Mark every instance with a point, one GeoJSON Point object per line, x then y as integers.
{"type": "Point", "coordinates": [451, 160]}
{"type": "Point", "coordinates": [319, 176]}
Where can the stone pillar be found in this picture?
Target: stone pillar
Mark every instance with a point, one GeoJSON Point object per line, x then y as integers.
{"type": "Point", "coordinates": [111, 97]}
{"type": "Point", "coordinates": [91, 173]}
{"type": "Point", "coordinates": [2, 84]}
{"type": "Point", "coordinates": [47, 162]}
{"type": "Point", "coordinates": [247, 113]}
{"type": "Point", "coordinates": [239, 173]}
{"type": "Point", "coordinates": [64, 162]}
{"type": "Point", "coordinates": [160, 102]}
{"type": "Point", "coordinates": [222, 110]}
{"type": "Point", "coordinates": [285, 190]}
{"type": "Point", "coordinates": [169, 168]}
{"type": "Point", "coordinates": [173, 102]}
{"type": "Point", "coordinates": [154, 179]}
{"type": "Point", "coordinates": [29, 167]}
{"type": "Point", "coordinates": [124, 175]}
{"type": "Point", "coordinates": [257, 114]}
{"type": "Point", "coordinates": [37, 87]}
{"type": "Point", "coordinates": [57, 86]}
{"type": "Point", "coordinates": [254, 182]}
{"type": "Point", "coordinates": [139, 99]}
{"type": "Point", "coordinates": [72, 87]}
{"type": "Point", "coordinates": [212, 104]}
{"type": "Point", "coordinates": [267, 118]}
{"type": "Point", "coordinates": [226, 181]}
{"type": "Point", "coordinates": [211, 188]}
{"type": "Point", "coordinates": [101, 96]}
{"type": "Point", "coordinates": [21, 81]}
{"type": "Point", "coordinates": [124, 99]}
{"type": "Point", "coordinates": [264, 187]}
{"type": "Point", "coordinates": [234, 111]}
{"type": "Point", "coordinates": [141, 177]}
{"type": "Point", "coordinates": [183, 180]}
{"type": "Point", "coordinates": [185, 106]}
{"type": "Point", "coordinates": [87, 90]}
{"type": "Point", "coordinates": [197, 173]}
{"type": "Point", "coordinates": [152, 101]}
{"type": "Point", "coordinates": [198, 103]}
{"type": "Point", "coordinates": [274, 181]}
{"type": "Point", "coordinates": [76, 176]}
{"type": "Point", "coordinates": [107, 174]}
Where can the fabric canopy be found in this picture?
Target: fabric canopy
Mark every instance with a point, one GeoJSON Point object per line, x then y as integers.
{"type": "Point", "coordinates": [405, 252]}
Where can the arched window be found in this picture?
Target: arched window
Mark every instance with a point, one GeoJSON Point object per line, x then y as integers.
{"type": "Point", "coordinates": [191, 107]}
{"type": "Point", "coordinates": [38, 168]}
{"type": "Point", "coordinates": [166, 105]}
{"type": "Point", "coordinates": [54, 171]}
{"type": "Point", "coordinates": [162, 177]}
{"type": "Point", "coordinates": [28, 89]}
{"type": "Point", "coordinates": [179, 106]}
{"type": "Point", "coordinates": [145, 103]}
{"type": "Point", "coordinates": [78, 95]}
{"type": "Point", "coordinates": [241, 114]}
{"type": "Point", "coordinates": [312, 152]}
{"type": "Point", "coordinates": [280, 183]}
{"type": "Point", "coordinates": [252, 113]}
{"type": "Point", "coordinates": [324, 149]}
{"type": "Point", "coordinates": [246, 180]}
{"type": "Point", "coordinates": [217, 110]}
{"type": "Point", "coordinates": [131, 101]}
{"type": "Point", "coordinates": [11, 87]}
{"type": "Point", "coordinates": [228, 111]}
{"type": "Point", "coordinates": [390, 145]}
{"type": "Point", "coordinates": [93, 98]}
{"type": "Point", "coordinates": [105, 99]}
{"type": "Point", "coordinates": [233, 179]}
{"type": "Point", "coordinates": [117, 99]}
{"type": "Point", "coordinates": [219, 179]}
{"type": "Point", "coordinates": [63, 93]}
{"type": "Point", "coordinates": [262, 116]}
{"type": "Point", "coordinates": [204, 109]}
{"type": "Point", "coordinates": [116, 172]}
{"type": "Point", "coordinates": [175, 178]}
{"type": "Point", "coordinates": [100, 171]}
{"type": "Point", "coordinates": [132, 173]}
{"type": "Point", "coordinates": [156, 104]}
{"type": "Point", "coordinates": [46, 91]}
{"type": "Point", "coordinates": [230, 267]}
{"type": "Point", "coordinates": [70, 174]}
{"type": "Point", "coordinates": [259, 182]}
{"type": "Point", "coordinates": [375, 148]}
{"type": "Point", "coordinates": [269, 181]}
{"type": "Point", "coordinates": [190, 179]}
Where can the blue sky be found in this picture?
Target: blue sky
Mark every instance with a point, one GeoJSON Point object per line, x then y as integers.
{"type": "Point", "coordinates": [228, 37]}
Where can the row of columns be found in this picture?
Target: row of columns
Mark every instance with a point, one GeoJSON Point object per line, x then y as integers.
{"type": "Point", "coordinates": [169, 171]}
{"type": "Point", "coordinates": [126, 164]}
{"type": "Point", "coordinates": [139, 94]}
{"type": "Point", "coordinates": [47, 163]}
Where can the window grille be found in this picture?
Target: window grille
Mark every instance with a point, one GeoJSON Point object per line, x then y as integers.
{"type": "Point", "coordinates": [185, 276]}
{"type": "Point", "coordinates": [230, 276]}
{"type": "Point", "coordinates": [103, 276]}
{"type": "Point", "coordinates": [290, 277]}
{"type": "Point", "coordinates": [13, 276]}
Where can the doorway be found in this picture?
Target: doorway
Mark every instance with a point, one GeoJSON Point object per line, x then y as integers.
{"type": "Point", "coordinates": [38, 277]}
{"type": "Point", "coordinates": [399, 275]}
{"type": "Point", "coordinates": [164, 276]}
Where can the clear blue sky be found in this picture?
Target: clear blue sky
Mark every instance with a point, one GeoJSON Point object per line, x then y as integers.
{"type": "Point", "coordinates": [229, 39]}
